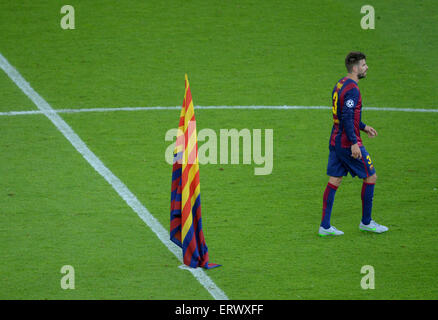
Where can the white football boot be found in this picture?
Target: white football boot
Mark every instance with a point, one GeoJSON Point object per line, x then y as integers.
{"type": "Point", "coordinates": [332, 231]}
{"type": "Point", "coordinates": [372, 227]}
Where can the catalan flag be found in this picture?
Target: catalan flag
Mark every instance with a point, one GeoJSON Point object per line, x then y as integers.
{"type": "Point", "coordinates": [185, 206]}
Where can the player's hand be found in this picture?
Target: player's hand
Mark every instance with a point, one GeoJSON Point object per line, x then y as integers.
{"type": "Point", "coordinates": [355, 151]}
{"type": "Point", "coordinates": [371, 132]}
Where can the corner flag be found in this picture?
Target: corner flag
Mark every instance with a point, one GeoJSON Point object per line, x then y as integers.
{"type": "Point", "coordinates": [185, 206]}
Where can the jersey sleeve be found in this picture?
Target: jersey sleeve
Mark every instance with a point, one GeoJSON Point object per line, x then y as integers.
{"type": "Point", "coordinates": [351, 99]}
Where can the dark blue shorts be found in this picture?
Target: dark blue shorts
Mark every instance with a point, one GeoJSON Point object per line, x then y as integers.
{"type": "Point", "coordinates": [340, 162]}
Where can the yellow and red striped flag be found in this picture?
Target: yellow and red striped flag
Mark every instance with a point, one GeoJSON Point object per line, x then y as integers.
{"type": "Point", "coordinates": [185, 207]}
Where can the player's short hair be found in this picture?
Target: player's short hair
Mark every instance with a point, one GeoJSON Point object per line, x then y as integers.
{"type": "Point", "coordinates": [352, 59]}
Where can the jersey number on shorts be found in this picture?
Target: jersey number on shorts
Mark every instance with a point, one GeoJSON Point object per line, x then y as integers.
{"type": "Point", "coordinates": [369, 161]}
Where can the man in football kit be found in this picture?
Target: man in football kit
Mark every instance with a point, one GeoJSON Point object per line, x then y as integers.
{"type": "Point", "coordinates": [346, 151]}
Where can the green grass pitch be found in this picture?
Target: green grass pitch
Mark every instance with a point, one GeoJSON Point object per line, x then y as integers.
{"type": "Point", "coordinates": [56, 210]}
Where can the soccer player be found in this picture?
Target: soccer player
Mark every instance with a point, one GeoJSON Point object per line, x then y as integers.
{"type": "Point", "coordinates": [346, 151]}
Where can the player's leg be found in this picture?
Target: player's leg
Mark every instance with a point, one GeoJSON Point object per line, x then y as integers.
{"type": "Point", "coordinates": [364, 169]}
{"type": "Point", "coordinates": [367, 195]}
{"type": "Point", "coordinates": [367, 223]}
{"type": "Point", "coordinates": [335, 171]}
{"type": "Point", "coordinates": [335, 181]}
{"type": "Point", "coordinates": [327, 206]}
{"type": "Point", "coordinates": [328, 199]}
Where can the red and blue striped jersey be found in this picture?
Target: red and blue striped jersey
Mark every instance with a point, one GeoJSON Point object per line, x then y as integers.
{"type": "Point", "coordinates": [347, 114]}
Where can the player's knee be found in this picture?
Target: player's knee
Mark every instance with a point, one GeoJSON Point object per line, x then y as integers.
{"type": "Point", "coordinates": [371, 179]}
{"type": "Point", "coordinates": [336, 181]}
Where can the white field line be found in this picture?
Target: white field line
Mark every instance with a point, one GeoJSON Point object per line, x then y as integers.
{"type": "Point", "coordinates": [115, 182]}
{"type": "Point", "coordinates": [19, 113]}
